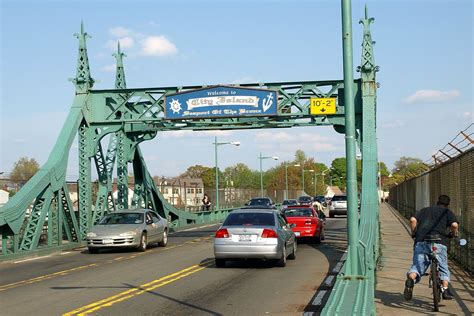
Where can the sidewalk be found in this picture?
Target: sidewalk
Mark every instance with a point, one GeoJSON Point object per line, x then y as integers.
{"type": "Point", "coordinates": [396, 259]}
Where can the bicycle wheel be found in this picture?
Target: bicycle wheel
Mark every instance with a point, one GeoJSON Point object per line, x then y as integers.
{"type": "Point", "coordinates": [436, 286]}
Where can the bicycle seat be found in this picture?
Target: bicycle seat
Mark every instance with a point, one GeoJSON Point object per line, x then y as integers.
{"type": "Point", "coordinates": [432, 237]}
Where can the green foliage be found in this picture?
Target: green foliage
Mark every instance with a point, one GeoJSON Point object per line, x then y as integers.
{"type": "Point", "coordinates": [207, 174]}
{"type": "Point", "coordinates": [384, 172]}
{"type": "Point", "coordinates": [24, 169]}
{"type": "Point", "coordinates": [275, 177]}
{"type": "Point", "coordinates": [409, 167]}
{"type": "Point", "coordinates": [241, 176]}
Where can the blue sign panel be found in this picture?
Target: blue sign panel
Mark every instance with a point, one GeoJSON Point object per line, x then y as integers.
{"type": "Point", "coordinates": [221, 101]}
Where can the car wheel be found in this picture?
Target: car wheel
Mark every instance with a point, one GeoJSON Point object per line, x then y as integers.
{"type": "Point", "coordinates": [292, 255]}
{"type": "Point", "coordinates": [220, 263]}
{"type": "Point", "coordinates": [282, 261]}
{"type": "Point", "coordinates": [323, 236]}
{"type": "Point", "coordinates": [93, 250]}
{"type": "Point", "coordinates": [143, 243]}
{"type": "Point", "coordinates": [317, 239]}
{"type": "Point", "coordinates": [164, 240]}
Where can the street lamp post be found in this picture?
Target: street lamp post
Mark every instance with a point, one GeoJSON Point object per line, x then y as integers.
{"type": "Point", "coordinates": [216, 144]}
{"type": "Point", "coordinates": [261, 173]}
{"type": "Point", "coordinates": [286, 178]}
{"type": "Point", "coordinates": [311, 170]}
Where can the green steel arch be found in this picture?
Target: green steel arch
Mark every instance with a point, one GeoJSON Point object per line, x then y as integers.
{"type": "Point", "coordinates": [111, 124]}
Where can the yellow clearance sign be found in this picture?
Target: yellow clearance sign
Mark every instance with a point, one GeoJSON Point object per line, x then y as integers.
{"type": "Point", "coordinates": [323, 106]}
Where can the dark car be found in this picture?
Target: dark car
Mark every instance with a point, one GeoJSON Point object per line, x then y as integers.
{"type": "Point", "coordinates": [260, 202]}
{"type": "Point", "coordinates": [321, 200]}
{"type": "Point", "coordinates": [288, 202]}
{"type": "Point", "coordinates": [305, 200]}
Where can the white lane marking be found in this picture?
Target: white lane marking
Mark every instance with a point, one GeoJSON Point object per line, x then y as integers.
{"type": "Point", "coordinates": [319, 298]}
{"type": "Point", "coordinates": [65, 253]}
{"type": "Point", "coordinates": [329, 280]}
{"type": "Point", "coordinates": [338, 267]}
{"type": "Point", "coordinates": [31, 259]}
{"type": "Point", "coordinates": [194, 228]}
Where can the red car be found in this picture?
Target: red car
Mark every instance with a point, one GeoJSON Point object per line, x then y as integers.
{"type": "Point", "coordinates": [309, 223]}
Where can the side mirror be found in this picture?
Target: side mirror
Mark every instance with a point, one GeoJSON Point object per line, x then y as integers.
{"type": "Point", "coordinates": [292, 225]}
{"type": "Point", "coordinates": [149, 221]}
{"type": "Point", "coordinates": [246, 204]}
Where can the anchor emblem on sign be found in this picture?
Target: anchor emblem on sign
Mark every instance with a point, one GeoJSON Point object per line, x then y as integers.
{"type": "Point", "coordinates": [267, 103]}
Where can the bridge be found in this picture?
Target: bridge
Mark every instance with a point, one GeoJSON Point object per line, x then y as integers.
{"type": "Point", "coordinates": [337, 277]}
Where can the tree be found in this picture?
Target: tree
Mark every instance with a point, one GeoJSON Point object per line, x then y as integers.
{"type": "Point", "coordinates": [24, 169]}
{"type": "Point", "coordinates": [241, 176]}
{"type": "Point", "coordinates": [207, 174]}
{"type": "Point", "coordinates": [275, 177]}
{"type": "Point", "coordinates": [409, 167]}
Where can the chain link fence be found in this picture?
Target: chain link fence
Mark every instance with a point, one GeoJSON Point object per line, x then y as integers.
{"type": "Point", "coordinates": [454, 178]}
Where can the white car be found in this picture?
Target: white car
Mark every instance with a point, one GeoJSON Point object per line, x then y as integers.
{"type": "Point", "coordinates": [338, 205]}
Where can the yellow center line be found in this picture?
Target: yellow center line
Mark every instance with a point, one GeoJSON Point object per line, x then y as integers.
{"type": "Point", "coordinates": [44, 277]}
{"type": "Point", "coordinates": [65, 272]}
{"type": "Point", "coordinates": [122, 296]}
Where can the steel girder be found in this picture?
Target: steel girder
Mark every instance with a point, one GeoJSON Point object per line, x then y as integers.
{"type": "Point", "coordinates": [355, 296]}
{"type": "Point", "coordinates": [131, 116]}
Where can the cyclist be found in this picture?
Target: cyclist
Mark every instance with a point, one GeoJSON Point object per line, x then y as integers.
{"type": "Point", "coordinates": [434, 220]}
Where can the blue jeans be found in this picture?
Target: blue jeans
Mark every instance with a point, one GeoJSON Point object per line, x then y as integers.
{"type": "Point", "coordinates": [421, 260]}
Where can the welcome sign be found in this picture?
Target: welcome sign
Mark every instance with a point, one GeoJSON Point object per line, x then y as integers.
{"type": "Point", "coordinates": [221, 101]}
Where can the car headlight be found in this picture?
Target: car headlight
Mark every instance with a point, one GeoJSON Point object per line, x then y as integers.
{"type": "Point", "coordinates": [127, 234]}
{"type": "Point", "coordinates": [91, 235]}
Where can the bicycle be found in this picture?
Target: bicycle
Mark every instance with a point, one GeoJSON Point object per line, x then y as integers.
{"type": "Point", "coordinates": [434, 281]}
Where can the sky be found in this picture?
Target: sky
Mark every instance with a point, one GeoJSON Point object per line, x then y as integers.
{"type": "Point", "coordinates": [424, 50]}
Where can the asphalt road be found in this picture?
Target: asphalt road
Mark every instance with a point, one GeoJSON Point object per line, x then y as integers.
{"type": "Point", "coordinates": [180, 279]}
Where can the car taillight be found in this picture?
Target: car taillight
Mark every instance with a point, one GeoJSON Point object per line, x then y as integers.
{"type": "Point", "coordinates": [434, 248]}
{"type": "Point", "coordinates": [269, 233]}
{"type": "Point", "coordinates": [222, 233]}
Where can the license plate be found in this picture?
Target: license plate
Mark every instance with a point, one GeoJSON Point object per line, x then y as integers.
{"type": "Point", "coordinates": [245, 237]}
{"type": "Point", "coordinates": [297, 234]}
{"type": "Point", "coordinates": [107, 241]}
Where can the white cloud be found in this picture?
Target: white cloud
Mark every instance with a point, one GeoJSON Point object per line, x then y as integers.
{"type": "Point", "coordinates": [467, 114]}
{"type": "Point", "coordinates": [108, 68]}
{"type": "Point", "coordinates": [148, 45]}
{"type": "Point", "coordinates": [125, 43]}
{"type": "Point", "coordinates": [157, 46]}
{"type": "Point", "coordinates": [432, 96]}
{"type": "Point", "coordinates": [120, 31]}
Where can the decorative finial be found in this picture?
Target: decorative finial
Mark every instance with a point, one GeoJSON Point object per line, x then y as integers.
{"type": "Point", "coordinates": [120, 72]}
{"type": "Point", "coordinates": [83, 80]}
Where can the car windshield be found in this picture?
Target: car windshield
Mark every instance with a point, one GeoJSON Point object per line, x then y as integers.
{"type": "Point", "coordinates": [122, 218]}
{"type": "Point", "coordinates": [250, 219]}
{"type": "Point", "coordinates": [305, 199]}
{"type": "Point", "coordinates": [298, 212]}
{"type": "Point", "coordinates": [290, 202]}
{"type": "Point", "coordinates": [255, 202]}
{"type": "Point", "coordinates": [339, 198]}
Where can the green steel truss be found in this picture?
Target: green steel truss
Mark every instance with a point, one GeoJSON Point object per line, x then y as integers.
{"type": "Point", "coordinates": [111, 124]}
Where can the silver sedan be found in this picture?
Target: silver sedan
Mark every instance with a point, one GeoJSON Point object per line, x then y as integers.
{"type": "Point", "coordinates": [129, 229]}
{"type": "Point", "coordinates": [257, 233]}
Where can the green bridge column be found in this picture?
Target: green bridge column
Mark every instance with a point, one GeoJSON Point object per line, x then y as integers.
{"type": "Point", "coordinates": [352, 267]}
